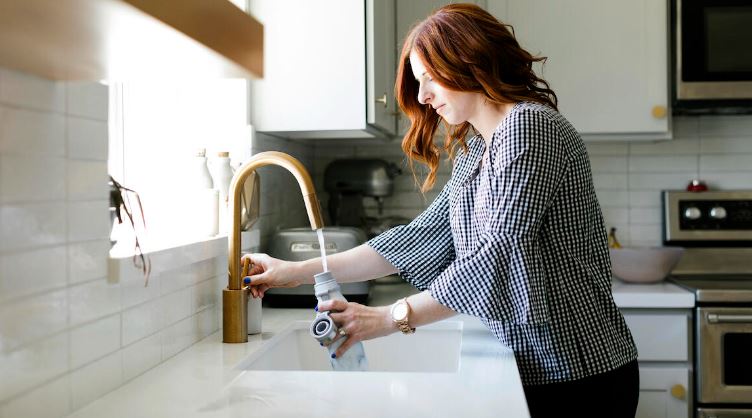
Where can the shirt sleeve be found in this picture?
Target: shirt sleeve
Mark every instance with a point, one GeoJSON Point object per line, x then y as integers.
{"type": "Point", "coordinates": [423, 248]}
{"type": "Point", "coordinates": [504, 277]}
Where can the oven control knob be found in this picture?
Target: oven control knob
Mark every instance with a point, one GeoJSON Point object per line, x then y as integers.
{"type": "Point", "coordinates": [718, 212]}
{"type": "Point", "coordinates": [692, 213]}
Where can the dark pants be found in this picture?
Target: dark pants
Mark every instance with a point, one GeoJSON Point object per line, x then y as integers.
{"type": "Point", "coordinates": [612, 394]}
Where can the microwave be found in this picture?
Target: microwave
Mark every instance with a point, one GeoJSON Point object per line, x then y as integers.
{"type": "Point", "coordinates": [713, 52]}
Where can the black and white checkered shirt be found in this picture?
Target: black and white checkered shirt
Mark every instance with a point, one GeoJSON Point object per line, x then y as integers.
{"type": "Point", "coordinates": [519, 241]}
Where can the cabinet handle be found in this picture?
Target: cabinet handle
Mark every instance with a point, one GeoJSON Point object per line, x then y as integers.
{"type": "Point", "coordinates": [382, 99]}
{"type": "Point", "coordinates": [678, 392]}
{"type": "Point", "coordinates": [734, 319]}
{"type": "Point", "coordinates": [659, 112]}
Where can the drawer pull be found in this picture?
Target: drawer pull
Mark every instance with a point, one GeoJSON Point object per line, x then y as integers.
{"type": "Point", "coordinates": [736, 319]}
{"type": "Point", "coordinates": [678, 392]}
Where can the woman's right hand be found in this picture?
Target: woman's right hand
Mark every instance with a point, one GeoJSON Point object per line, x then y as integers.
{"type": "Point", "coordinates": [268, 272]}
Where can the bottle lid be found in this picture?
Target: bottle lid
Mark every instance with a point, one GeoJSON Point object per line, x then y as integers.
{"type": "Point", "coordinates": [224, 154]}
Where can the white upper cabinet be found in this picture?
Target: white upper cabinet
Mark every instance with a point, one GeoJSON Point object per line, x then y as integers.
{"type": "Point", "coordinates": [607, 61]}
{"type": "Point", "coordinates": [328, 69]}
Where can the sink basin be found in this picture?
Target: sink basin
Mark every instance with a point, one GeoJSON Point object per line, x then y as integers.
{"type": "Point", "coordinates": [295, 349]}
{"type": "Point", "coordinates": [448, 369]}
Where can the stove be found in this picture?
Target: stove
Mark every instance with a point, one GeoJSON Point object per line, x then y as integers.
{"type": "Point", "coordinates": [716, 229]}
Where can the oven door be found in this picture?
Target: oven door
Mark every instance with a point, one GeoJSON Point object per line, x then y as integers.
{"type": "Point", "coordinates": [724, 354]}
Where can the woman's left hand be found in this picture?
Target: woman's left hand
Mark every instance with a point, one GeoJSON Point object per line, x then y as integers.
{"type": "Point", "coordinates": [359, 322]}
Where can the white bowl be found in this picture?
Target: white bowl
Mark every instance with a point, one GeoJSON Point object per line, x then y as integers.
{"type": "Point", "coordinates": [644, 264]}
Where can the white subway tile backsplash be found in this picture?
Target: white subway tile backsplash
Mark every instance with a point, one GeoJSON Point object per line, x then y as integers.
{"type": "Point", "coordinates": [728, 180]}
{"type": "Point", "coordinates": [726, 145]}
{"type": "Point", "coordinates": [607, 148]}
{"type": "Point", "coordinates": [93, 300]}
{"type": "Point", "coordinates": [616, 216]}
{"type": "Point", "coordinates": [715, 126]}
{"type": "Point", "coordinates": [645, 199]}
{"type": "Point", "coordinates": [87, 180]}
{"type": "Point", "coordinates": [94, 340]}
{"type": "Point", "coordinates": [610, 181]}
{"type": "Point", "coordinates": [141, 321]}
{"type": "Point", "coordinates": [660, 181]}
{"type": "Point", "coordinates": [25, 90]}
{"type": "Point", "coordinates": [677, 146]}
{"type": "Point", "coordinates": [35, 271]}
{"type": "Point", "coordinates": [33, 365]}
{"type": "Point", "coordinates": [645, 235]}
{"type": "Point", "coordinates": [612, 198]}
{"type": "Point", "coordinates": [25, 320]}
{"type": "Point", "coordinates": [663, 164]}
{"type": "Point", "coordinates": [96, 379]}
{"type": "Point", "coordinates": [87, 139]}
{"type": "Point", "coordinates": [608, 164]}
{"type": "Point", "coordinates": [88, 220]}
{"type": "Point", "coordinates": [51, 400]}
{"type": "Point", "coordinates": [204, 294]}
{"type": "Point", "coordinates": [31, 179]}
{"type": "Point", "coordinates": [207, 321]}
{"type": "Point", "coordinates": [645, 216]}
{"type": "Point", "coordinates": [27, 132]}
{"type": "Point", "coordinates": [87, 99]}
{"type": "Point", "coordinates": [141, 356]}
{"type": "Point", "coordinates": [685, 127]}
{"type": "Point", "coordinates": [726, 162]}
{"type": "Point", "coordinates": [87, 260]}
{"type": "Point", "coordinates": [134, 289]}
{"type": "Point", "coordinates": [176, 306]}
{"type": "Point", "coordinates": [179, 336]}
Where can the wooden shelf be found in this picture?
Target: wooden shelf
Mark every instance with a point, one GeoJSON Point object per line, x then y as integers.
{"type": "Point", "coordinates": [130, 39]}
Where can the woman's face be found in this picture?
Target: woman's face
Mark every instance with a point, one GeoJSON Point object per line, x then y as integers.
{"type": "Point", "coordinates": [454, 106]}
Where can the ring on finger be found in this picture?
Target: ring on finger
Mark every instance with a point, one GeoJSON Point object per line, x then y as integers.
{"type": "Point", "coordinates": [342, 332]}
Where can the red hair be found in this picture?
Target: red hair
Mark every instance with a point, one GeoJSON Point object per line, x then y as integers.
{"type": "Point", "coordinates": [464, 48]}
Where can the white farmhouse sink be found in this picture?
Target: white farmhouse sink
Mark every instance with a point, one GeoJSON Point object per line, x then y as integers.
{"type": "Point", "coordinates": [434, 349]}
{"type": "Point", "coordinates": [448, 369]}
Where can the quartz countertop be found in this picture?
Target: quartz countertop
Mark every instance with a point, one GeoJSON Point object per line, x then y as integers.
{"type": "Point", "coordinates": [203, 381]}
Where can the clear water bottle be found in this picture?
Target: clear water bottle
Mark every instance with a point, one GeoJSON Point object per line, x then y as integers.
{"type": "Point", "coordinates": [324, 330]}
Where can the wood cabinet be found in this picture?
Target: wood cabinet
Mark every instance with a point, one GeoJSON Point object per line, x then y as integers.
{"type": "Point", "coordinates": [329, 69]}
{"type": "Point", "coordinates": [607, 61]}
{"type": "Point", "coordinates": [663, 338]}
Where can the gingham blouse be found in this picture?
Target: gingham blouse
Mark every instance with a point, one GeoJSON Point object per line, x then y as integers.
{"type": "Point", "coordinates": [519, 241]}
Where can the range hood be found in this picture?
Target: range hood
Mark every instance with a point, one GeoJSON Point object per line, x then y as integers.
{"type": "Point", "coordinates": [130, 39]}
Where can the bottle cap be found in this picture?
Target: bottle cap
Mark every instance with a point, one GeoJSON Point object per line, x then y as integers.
{"type": "Point", "coordinates": [224, 154]}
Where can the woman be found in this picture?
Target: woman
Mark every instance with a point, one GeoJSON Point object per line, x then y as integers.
{"type": "Point", "coordinates": [515, 238]}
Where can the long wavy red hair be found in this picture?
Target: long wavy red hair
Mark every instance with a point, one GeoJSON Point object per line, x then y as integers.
{"type": "Point", "coordinates": [464, 48]}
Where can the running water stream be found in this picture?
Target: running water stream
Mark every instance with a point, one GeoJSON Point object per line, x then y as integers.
{"type": "Point", "coordinates": [322, 245]}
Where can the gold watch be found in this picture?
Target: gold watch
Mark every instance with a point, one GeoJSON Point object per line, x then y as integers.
{"type": "Point", "coordinates": [400, 316]}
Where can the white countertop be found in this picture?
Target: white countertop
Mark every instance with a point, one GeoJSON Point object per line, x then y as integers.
{"type": "Point", "coordinates": [203, 381]}
{"type": "Point", "coordinates": [662, 295]}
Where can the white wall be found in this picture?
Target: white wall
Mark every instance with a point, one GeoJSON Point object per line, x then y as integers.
{"type": "Point", "coordinates": [628, 176]}
{"type": "Point", "coordinates": [69, 330]}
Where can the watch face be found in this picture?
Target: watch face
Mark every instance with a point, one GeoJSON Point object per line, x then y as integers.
{"type": "Point", "coordinates": [400, 312]}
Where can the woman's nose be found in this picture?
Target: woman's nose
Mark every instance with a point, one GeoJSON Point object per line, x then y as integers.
{"type": "Point", "coordinates": [424, 96]}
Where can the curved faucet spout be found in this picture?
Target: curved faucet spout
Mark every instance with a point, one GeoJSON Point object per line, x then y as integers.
{"type": "Point", "coordinates": [234, 319]}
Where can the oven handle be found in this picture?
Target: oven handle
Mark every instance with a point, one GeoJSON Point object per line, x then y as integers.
{"type": "Point", "coordinates": [736, 319]}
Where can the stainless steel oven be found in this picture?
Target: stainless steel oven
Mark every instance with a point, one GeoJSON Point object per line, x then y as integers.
{"type": "Point", "coordinates": [716, 228]}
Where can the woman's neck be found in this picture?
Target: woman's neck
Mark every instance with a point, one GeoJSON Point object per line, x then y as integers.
{"type": "Point", "coordinates": [489, 118]}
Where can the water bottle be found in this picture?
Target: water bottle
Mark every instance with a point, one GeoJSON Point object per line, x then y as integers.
{"type": "Point", "coordinates": [204, 198]}
{"type": "Point", "coordinates": [222, 173]}
{"type": "Point", "coordinates": [324, 330]}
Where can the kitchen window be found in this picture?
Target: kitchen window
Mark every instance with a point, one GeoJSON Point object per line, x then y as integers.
{"type": "Point", "coordinates": [156, 129]}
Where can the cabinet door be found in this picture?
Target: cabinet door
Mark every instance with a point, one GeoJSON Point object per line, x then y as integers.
{"type": "Point", "coordinates": [381, 65]}
{"type": "Point", "coordinates": [314, 67]}
{"type": "Point", "coordinates": [664, 392]}
{"type": "Point", "coordinates": [607, 60]}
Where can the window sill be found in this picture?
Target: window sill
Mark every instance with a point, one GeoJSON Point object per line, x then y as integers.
{"type": "Point", "coordinates": [171, 256]}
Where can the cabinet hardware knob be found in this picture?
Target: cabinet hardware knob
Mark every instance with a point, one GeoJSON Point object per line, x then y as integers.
{"type": "Point", "coordinates": [678, 392]}
{"type": "Point", "coordinates": [659, 112]}
{"type": "Point", "coordinates": [382, 99]}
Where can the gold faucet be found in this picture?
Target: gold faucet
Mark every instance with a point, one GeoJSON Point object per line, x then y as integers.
{"type": "Point", "coordinates": [234, 297]}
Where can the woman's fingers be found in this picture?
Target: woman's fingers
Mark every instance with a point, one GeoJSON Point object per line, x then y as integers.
{"type": "Point", "coordinates": [333, 305]}
{"type": "Point", "coordinates": [341, 350]}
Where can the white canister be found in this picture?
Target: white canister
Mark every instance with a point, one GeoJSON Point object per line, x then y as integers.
{"type": "Point", "coordinates": [222, 173]}
{"type": "Point", "coordinates": [254, 315]}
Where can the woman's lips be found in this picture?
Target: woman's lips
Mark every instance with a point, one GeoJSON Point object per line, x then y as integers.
{"type": "Point", "coordinates": [437, 109]}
